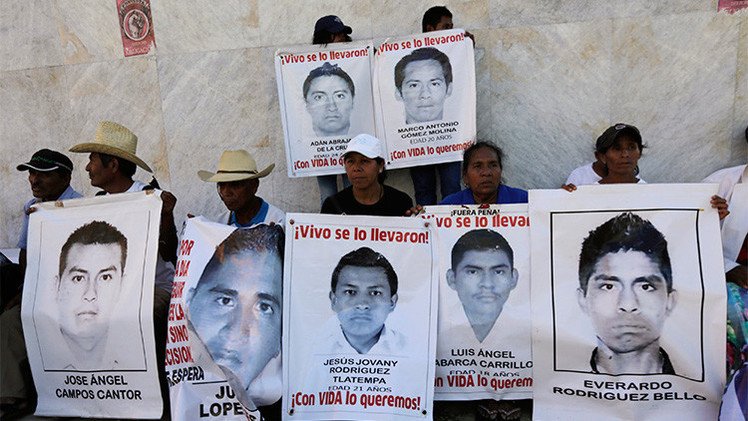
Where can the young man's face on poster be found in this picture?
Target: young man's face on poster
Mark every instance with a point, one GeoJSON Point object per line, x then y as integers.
{"type": "Point", "coordinates": [236, 311]}
{"type": "Point", "coordinates": [423, 91]}
{"type": "Point", "coordinates": [329, 103]}
{"type": "Point", "coordinates": [627, 300]}
{"type": "Point", "coordinates": [89, 289]}
{"type": "Point", "coordinates": [362, 300]}
{"type": "Point", "coordinates": [483, 280]}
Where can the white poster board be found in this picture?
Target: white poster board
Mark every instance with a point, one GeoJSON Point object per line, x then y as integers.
{"type": "Point", "coordinates": [424, 88]}
{"type": "Point", "coordinates": [88, 306]}
{"type": "Point", "coordinates": [628, 303]}
{"type": "Point", "coordinates": [484, 335]}
{"type": "Point", "coordinates": [325, 99]}
{"type": "Point", "coordinates": [359, 321]}
{"type": "Point", "coordinates": [223, 351]}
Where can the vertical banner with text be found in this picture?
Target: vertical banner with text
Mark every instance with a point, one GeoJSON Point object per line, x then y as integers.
{"type": "Point", "coordinates": [87, 306]}
{"type": "Point", "coordinates": [326, 99]}
{"type": "Point", "coordinates": [223, 351]}
{"type": "Point", "coordinates": [628, 302]}
{"type": "Point", "coordinates": [359, 318]}
{"type": "Point", "coordinates": [424, 88]}
{"type": "Point", "coordinates": [484, 336]}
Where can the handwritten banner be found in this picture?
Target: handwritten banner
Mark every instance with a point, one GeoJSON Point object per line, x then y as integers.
{"type": "Point", "coordinates": [87, 306]}
{"type": "Point", "coordinates": [359, 318]}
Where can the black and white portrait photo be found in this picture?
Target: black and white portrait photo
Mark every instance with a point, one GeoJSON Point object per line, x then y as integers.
{"type": "Point", "coordinates": [329, 93]}
{"type": "Point", "coordinates": [483, 275]}
{"type": "Point", "coordinates": [423, 80]}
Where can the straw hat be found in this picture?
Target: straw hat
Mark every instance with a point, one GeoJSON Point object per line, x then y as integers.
{"type": "Point", "coordinates": [234, 166]}
{"type": "Point", "coordinates": [116, 140]}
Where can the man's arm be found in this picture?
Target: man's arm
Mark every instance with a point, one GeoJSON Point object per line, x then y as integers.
{"type": "Point", "coordinates": [167, 237]}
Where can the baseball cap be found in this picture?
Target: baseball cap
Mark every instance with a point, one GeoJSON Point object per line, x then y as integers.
{"type": "Point", "coordinates": [612, 133]}
{"type": "Point", "coordinates": [365, 144]}
{"type": "Point", "coordinates": [47, 160]}
{"type": "Point", "coordinates": [331, 24]}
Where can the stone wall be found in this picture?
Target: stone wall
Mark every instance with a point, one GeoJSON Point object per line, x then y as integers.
{"type": "Point", "coordinates": [551, 75]}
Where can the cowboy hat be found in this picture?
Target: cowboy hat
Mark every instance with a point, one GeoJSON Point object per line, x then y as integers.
{"type": "Point", "coordinates": [116, 140]}
{"type": "Point", "coordinates": [234, 166]}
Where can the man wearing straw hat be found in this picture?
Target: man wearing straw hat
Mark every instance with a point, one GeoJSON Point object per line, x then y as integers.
{"type": "Point", "coordinates": [238, 181]}
{"type": "Point", "coordinates": [112, 162]}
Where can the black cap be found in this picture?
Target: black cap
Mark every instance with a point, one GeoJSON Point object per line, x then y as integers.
{"type": "Point", "coordinates": [331, 24]}
{"type": "Point", "coordinates": [47, 160]}
{"type": "Point", "coordinates": [609, 136]}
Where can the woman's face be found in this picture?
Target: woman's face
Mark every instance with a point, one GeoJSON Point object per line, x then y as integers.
{"type": "Point", "coordinates": [623, 157]}
{"type": "Point", "coordinates": [483, 172]}
{"type": "Point", "coordinates": [362, 171]}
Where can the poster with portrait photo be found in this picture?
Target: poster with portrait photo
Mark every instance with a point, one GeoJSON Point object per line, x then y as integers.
{"type": "Point", "coordinates": [359, 319]}
{"type": "Point", "coordinates": [325, 100]}
{"type": "Point", "coordinates": [628, 302]}
{"type": "Point", "coordinates": [88, 306]}
{"type": "Point", "coordinates": [223, 351]}
{"type": "Point", "coordinates": [424, 90]}
{"type": "Point", "coordinates": [484, 330]}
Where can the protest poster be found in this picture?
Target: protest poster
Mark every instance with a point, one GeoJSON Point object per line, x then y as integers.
{"type": "Point", "coordinates": [359, 321]}
{"type": "Point", "coordinates": [731, 6]}
{"type": "Point", "coordinates": [136, 26]}
{"type": "Point", "coordinates": [223, 350]}
{"type": "Point", "coordinates": [424, 88]}
{"type": "Point", "coordinates": [484, 329]}
{"type": "Point", "coordinates": [628, 303]}
{"type": "Point", "coordinates": [325, 99]}
{"type": "Point", "coordinates": [87, 306]}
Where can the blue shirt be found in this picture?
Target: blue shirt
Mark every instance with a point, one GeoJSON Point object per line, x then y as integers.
{"type": "Point", "coordinates": [258, 218]}
{"type": "Point", "coordinates": [69, 193]}
{"type": "Point", "coordinates": [506, 195]}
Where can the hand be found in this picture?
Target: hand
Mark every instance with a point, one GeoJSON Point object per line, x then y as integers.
{"type": "Point", "coordinates": [414, 211]}
{"type": "Point", "coordinates": [721, 205]}
{"type": "Point", "coordinates": [569, 187]}
{"type": "Point", "coordinates": [169, 201]}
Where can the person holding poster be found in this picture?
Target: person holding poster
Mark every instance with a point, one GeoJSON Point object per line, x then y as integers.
{"type": "Point", "coordinates": [626, 289]}
{"type": "Point", "coordinates": [92, 264]}
{"type": "Point", "coordinates": [363, 292]}
{"type": "Point", "coordinates": [235, 309]}
{"type": "Point", "coordinates": [483, 275]}
{"type": "Point", "coordinates": [481, 173]}
{"type": "Point", "coordinates": [237, 181]}
{"type": "Point", "coordinates": [364, 166]}
{"type": "Point", "coordinates": [330, 30]}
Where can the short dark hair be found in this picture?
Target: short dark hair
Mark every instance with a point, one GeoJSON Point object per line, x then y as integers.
{"type": "Point", "coordinates": [420, 54]}
{"type": "Point", "coordinates": [259, 239]}
{"type": "Point", "coordinates": [328, 69]}
{"type": "Point", "coordinates": [470, 151]}
{"type": "Point", "coordinates": [365, 257]}
{"type": "Point", "coordinates": [625, 232]}
{"type": "Point", "coordinates": [127, 168]}
{"type": "Point", "coordinates": [325, 37]}
{"type": "Point", "coordinates": [95, 232]}
{"type": "Point", "coordinates": [434, 15]}
{"type": "Point", "coordinates": [480, 240]}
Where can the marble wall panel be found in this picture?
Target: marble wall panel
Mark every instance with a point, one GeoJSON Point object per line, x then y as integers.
{"type": "Point", "coordinates": [28, 35]}
{"type": "Point", "coordinates": [34, 116]}
{"type": "Point", "coordinates": [185, 26]}
{"type": "Point", "coordinates": [392, 17]}
{"type": "Point", "coordinates": [285, 23]}
{"type": "Point", "coordinates": [552, 86]}
{"type": "Point", "coordinates": [674, 78]}
{"type": "Point", "coordinates": [88, 30]}
{"type": "Point", "coordinates": [124, 91]}
{"type": "Point", "coordinates": [739, 154]}
{"type": "Point", "coordinates": [507, 13]}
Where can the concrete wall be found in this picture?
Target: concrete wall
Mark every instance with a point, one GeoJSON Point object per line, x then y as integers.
{"type": "Point", "coordinates": [551, 75]}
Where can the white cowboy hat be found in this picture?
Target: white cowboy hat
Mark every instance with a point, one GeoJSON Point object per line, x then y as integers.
{"type": "Point", "coordinates": [116, 140]}
{"type": "Point", "coordinates": [234, 166]}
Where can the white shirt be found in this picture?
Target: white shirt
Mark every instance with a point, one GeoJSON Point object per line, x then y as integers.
{"type": "Point", "coordinates": [733, 187]}
{"type": "Point", "coordinates": [583, 176]}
